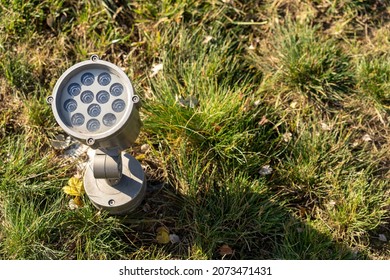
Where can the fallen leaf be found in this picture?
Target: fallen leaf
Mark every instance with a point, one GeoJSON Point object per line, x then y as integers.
{"type": "Point", "coordinates": [140, 157]}
{"type": "Point", "coordinates": [366, 138]}
{"type": "Point", "coordinates": [293, 104]}
{"type": "Point", "coordinates": [77, 200]}
{"type": "Point", "coordinates": [331, 204]}
{"type": "Point", "coordinates": [174, 238]}
{"type": "Point", "coordinates": [225, 250]}
{"type": "Point", "coordinates": [75, 203]}
{"type": "Point", "coordinates": [178, 19]}
{"type": "Point", "coordinates": [325, 127]}
{"type": "Point", "coordinates": [156, 68]}
{"type": "Point", "coordinates": [74, 187]}
{"type": "Point", "coordinates": [145, 148]}
{"type": "Point", "coordinates": [207, 39]}
{"type": "Point", "coordinates": [50, 20]}
{"type": "Point", "coordinates": [162, 235]}
{"type": "Point", "coordinates": [217, 127]}
{"type": "Point", "coordinates": [72, 205]}
{"type": "Point", "coordinates": [265, 170]}
{"type": "Point", "coordinates": [263, 121]}
{"type": "Point", "coordinates": [287, 137]}
{"type": "Point", "coordinates": [355, 144]}
{"type": "Point", "coordinates": [382, 238]}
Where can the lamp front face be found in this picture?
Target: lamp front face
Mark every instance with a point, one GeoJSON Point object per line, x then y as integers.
{"type": "Point", "coordinates": [95, 100]}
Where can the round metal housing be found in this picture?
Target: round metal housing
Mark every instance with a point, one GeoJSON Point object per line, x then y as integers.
{"type": "Point", "coordinates": [94, 102]}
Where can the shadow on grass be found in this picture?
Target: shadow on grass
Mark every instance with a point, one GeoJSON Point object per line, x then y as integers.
{"type": "Point", "coordinates": [238, 220]}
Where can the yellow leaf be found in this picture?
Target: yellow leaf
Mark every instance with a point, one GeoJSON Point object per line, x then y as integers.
{"type": "Point", "coordinates": [74, 187]}
{"type": "Point", "coordinates": [77, 200]}
{"type": "Point", "coordinates": [162, 236]}
{"type": "Point", "coordinates": [75, 203]}
{"type": "Point", "coordinates": [140, 157]}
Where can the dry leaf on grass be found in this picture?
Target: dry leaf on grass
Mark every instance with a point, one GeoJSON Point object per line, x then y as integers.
{"type": "Point", "coordinates": [287, 137]}
{"type": "Point", "coordinates": [75, 203]}
{"type": "Point", "coordinates": [156, 68]}
{"type": "Point", "coordinates": [75, 187]}
{"type": "Point", "coordinates": [225, 250]}
{"type": "Point", "coordinates": [140, 157]}
{"type": "Point", "coordinates": [326, 127]}
{"type": "Point", "coordinates": [162, 235]}
{"type": "Point", "coordinates": [263, 121]}
{"type": "Point", "coordinates": [207, 39]}
{"type": "Point", "coordinates": [382, 237]}
{"type": "Point", "coordinates": [366, 138]}
{"type": "Point", "coordinates": [174, 238]}
{"type": "Point", "coordinates": [145, 148]}
{"type": "Point", "coordinates": [293, 105]}
{"type": "Point", "coordinates": [265, 170]}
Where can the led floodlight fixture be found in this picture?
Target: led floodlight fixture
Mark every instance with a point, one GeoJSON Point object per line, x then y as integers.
{"type": "Point", "coordinates": [94, 102]}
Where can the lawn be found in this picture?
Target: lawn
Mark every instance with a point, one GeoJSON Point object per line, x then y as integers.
{"type": "Point", "coordinates": [265, 129]}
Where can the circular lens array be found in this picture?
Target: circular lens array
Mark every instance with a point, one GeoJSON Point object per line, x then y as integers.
{"type": "Point", "coordinates": [87, 79]}
{"type": "Point", "coordinates": [104, 79]}
{"type": "Point", "coordinates": [102, 97]}
{"type": "Point", "coordinates": [87, 96]}
{"type": "Point", "coordinates": [70, 105]}
{"type": "Point", "coordinates": [74, 89]}
{"type": "Point", "coordinates": [109, 119]}
{"type": "Point", "coordinates": [118, 105]}
{"type": "Point", "coordinates": [116, 89]}
{"type": "Point", "coordinates": [94, 110]}
{"type": "Point", "coordinates": [90, 116]}
{"type": "Point", "coordinates": [93, 125]}
{"type": "Point", "coordinates": [77, 119]}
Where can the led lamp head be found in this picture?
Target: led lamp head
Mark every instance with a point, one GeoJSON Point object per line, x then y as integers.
{"type": "Point", "coordinates": [94, 102]}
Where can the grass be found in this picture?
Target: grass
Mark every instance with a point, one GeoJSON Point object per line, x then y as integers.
{"type": "Point", "coordinates": [267, 128]}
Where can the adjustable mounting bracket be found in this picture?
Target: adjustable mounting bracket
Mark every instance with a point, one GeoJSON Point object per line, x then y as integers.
{"type": "Point", "coordinates": [115, 183]}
